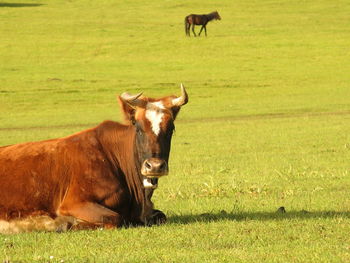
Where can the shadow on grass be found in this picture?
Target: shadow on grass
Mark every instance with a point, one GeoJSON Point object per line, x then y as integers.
{"type": "Point", "coordinates": [19, 4]}
{"type": "Point", "coordinates": [257, 216]}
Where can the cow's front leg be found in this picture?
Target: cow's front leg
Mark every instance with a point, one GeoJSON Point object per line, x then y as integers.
{"type": "Point", "coordinates": [92, 214]}
{"type": "Point", "coordinates": [157, 218]}
{"type": "Point", "coordinates": [154, 217]}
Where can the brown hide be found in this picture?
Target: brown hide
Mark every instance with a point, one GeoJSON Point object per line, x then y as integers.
{"type": "Point", "coordinates": [82, 175]}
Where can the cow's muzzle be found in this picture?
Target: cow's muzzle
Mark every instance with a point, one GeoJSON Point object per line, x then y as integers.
{"type": "Point", "coordinates": [152, 169]}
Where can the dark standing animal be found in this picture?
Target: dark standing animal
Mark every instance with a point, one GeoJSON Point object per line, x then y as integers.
{"type": "Point", "coordinates": [100, 177]}
{"type": "Point", "coordinates": [199, 20]}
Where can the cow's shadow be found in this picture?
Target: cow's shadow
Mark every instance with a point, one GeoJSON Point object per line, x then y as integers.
{"type": "Point", "coordinates": [254, 216]}
{"type": "Point", "coordinates": [19, 4]}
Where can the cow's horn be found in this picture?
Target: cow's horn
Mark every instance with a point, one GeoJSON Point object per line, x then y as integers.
{"type": "Point", "coordinates": [183, 99]}
{"type": "Point", "coordinates": [132, 100]}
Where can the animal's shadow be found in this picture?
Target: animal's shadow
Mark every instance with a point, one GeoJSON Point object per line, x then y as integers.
{"type": "Point", "coordinates": [255, 216]}
{"type": "Point", "coordinates": [19, 4]}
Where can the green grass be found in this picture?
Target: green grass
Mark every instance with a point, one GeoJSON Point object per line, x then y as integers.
{"type": "Point", "coordinates": [267, 125]}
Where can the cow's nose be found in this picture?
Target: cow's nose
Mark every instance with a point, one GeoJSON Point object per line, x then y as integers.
{"type": "Point", "coordinates": [154, 167]}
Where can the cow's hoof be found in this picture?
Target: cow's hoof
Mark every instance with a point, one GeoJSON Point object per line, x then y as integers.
{"type": "Point", "coordinates": [157, 218]}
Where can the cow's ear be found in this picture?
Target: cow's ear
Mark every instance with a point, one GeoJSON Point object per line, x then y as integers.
{"type": "Point", "coordinates": [175, 111]}
{"type": "Point", "coordinates": [128, 111]}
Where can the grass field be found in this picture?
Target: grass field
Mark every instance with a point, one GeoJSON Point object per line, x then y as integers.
{"type": "Point", "coordinates": [267, 125]}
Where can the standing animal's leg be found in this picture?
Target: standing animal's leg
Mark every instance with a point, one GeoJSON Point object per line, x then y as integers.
{"type": "Point", "coordinates": [204, 26]}
{"type": "Point", "coordinates": [92, 214]}
{"type": "Point", "coordinates": [194, 33]}
{"type": "Point", "coordinates": [200, 31]}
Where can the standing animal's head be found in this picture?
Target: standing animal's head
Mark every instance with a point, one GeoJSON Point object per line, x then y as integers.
{"type": "Point", "coordinates": [153, 120]}
{"type": "Point", "coordinates": [216, 15]}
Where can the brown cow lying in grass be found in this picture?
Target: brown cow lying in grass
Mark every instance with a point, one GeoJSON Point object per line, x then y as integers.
{"type": "Point", "coordinates": [101, 177]}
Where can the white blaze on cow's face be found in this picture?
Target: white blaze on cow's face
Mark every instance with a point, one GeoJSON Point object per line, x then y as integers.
{"type": "Point", "coordinates": [154, 113]}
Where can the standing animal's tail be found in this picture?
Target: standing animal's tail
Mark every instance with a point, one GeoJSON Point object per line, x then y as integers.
{"type": "Point", "coordinates": [187, 31]}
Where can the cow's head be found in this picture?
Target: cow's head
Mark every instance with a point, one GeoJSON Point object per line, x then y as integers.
{"type": "Point", "coordinates": [153, 120]}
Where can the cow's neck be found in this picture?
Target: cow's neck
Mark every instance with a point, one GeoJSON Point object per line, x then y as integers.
{"type": "Point", "coordinates": [118, 143]}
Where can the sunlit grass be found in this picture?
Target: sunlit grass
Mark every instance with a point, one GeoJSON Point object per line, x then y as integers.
{"type": "Point", "coordinates": [267, 125]}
